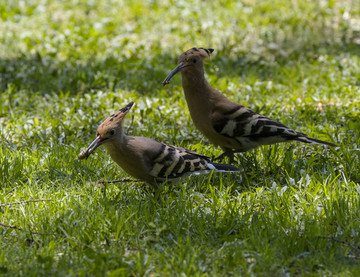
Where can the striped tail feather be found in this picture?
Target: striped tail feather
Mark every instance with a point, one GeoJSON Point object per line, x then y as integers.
{"type": "Point", "coordinates": [314, 141]}
{"type": "Point", "coordinates": [217, 167]}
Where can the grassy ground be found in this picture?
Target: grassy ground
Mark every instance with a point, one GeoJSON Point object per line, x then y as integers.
{"type": "Point", "coordinates": [65, 65]}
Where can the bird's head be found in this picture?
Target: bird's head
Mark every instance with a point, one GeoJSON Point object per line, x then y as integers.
{"type": "Point", "coordinates": [190, 60]}
{"type": "Point", "coordinates": [108, 130]}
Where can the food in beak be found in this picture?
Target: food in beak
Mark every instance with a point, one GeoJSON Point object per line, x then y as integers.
{"type": "Point", "coordinates": [87, 152]}
{"type": "Point", "coordinates": [172, 73]}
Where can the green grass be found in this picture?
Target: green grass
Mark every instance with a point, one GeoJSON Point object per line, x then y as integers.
{"type": "Point", "coordinates": [65, 65]}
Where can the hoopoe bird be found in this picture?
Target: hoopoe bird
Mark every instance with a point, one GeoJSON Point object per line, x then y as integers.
{"type": "Point", "coordinates": [147, 159]}
{"type": "Point", "coordinates": [225, 123]}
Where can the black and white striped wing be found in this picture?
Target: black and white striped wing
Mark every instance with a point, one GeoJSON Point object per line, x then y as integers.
{"type": "Point", "coordinates": [175, 162]}
{"type": "Point", "coordinates": [250, 129]}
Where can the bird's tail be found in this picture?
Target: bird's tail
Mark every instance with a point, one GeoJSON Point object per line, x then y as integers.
{"type": "Point", "coordinates": [223, 167]}
{"type": "Point", "coordinates": [314, 141]}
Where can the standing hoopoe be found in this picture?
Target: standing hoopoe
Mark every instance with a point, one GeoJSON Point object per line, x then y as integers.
{"type": "Point", "coordinates": [147, 159]}
{"type": "Point", "coordinates": [230, 125]}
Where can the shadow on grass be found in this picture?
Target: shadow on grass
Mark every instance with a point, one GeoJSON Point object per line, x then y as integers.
{"type": "Point", "coordinates": [48, 75]}
{"type": "Point", "coordinates": [262, 66]}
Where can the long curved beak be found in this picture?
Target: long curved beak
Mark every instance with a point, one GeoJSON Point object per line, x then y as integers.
{"type": "Point", "coordinates": [173, 72]}
{"type": "Point", "coordinates": [87, 152]}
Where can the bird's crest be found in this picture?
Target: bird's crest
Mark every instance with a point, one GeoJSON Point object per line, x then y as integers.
{"type": "Point", "coordinates": [117, 117]}
{"type": "Point", "coordinates": [202, 52]}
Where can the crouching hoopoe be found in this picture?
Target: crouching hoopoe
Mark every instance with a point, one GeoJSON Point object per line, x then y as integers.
{"type": "Point", "coordinates": [147, 159]}
{"type": "Point", "coordinates": [230, 125]}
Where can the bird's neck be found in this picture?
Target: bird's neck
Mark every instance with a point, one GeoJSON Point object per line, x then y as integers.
{"type": "Point", "coordinates": [192, 77]}
{"type": "Point", "coordinates": [195, 86]}
{"type": "Point", "coordinates": [200, 98]}
{"type": "Point", "coordinates": [198, 92]}
{"type": "Point", "coordinates": [116, 145]}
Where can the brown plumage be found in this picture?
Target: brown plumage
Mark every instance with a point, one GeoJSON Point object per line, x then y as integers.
{"type": "Point", "coordinates": [147, 159]}
{"type": "Point", "coordinates": [230, 125]}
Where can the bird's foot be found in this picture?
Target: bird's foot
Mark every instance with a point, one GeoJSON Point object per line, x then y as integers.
{"type": "Point", "coordinates": [230, 155]}
{"type": "Point", "coordinates": [122, 180]}
{"type": "Point", "coordinates": [102, 183]}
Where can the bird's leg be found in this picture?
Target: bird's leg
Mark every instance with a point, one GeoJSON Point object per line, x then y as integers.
{"type": "Point", "coordinates": [122, 180]}
{"type": "Point", "coordinates": [229, 154]}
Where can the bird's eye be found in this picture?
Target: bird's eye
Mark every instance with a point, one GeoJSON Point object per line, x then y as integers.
{"type": "Point", "coordinates": [194, 60]}
{"type": "Point", "coordinates": [112, 132]}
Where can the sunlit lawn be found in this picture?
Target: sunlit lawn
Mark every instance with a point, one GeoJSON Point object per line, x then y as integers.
{"type": "Point", "coordinates": [66, 65]}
